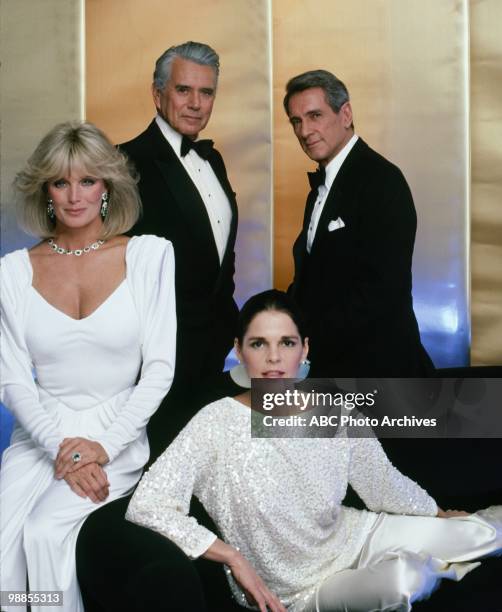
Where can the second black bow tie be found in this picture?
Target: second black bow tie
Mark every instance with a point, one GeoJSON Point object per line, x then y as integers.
{"type": "Point", "coordinates": [203, 148]}
{"type": "Point", "coordinates": [317, 178]}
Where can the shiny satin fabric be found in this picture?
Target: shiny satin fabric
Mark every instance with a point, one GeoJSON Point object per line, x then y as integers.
{"type": "Point", "coordinates": [391, 575]}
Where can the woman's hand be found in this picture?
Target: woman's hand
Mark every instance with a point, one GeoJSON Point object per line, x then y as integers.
{"type": "Point", "coordinates": [244, 573]}
{"type": "Point", "coordinates": [89, 481]}
{"type": "Point", "coordinates": [253, 586]}
{"type": "Point", "coordinates": [88, 451]}
{"type": "Point", "coordinates": [451, 513]}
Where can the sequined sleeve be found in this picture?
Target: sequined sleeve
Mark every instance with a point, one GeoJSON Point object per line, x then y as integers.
{"type": "Point", "coordinates": [381, 486]}
{"type": "Point", "coordinates": [162, 500]}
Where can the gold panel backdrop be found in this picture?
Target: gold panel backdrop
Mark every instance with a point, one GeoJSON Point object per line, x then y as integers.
{"type": "Point", "coordinates": [404, 63]}
{"type": "Point", "coordinates": [40, 47]}
{"type": "Point", "coordinates": [41, 86]}
{"type": "Point", "coordinates": [347, 39]}
{"type": "Point", "coordinates": [486, 188]}
{"type": "Point", "coordinates": [123, 40]}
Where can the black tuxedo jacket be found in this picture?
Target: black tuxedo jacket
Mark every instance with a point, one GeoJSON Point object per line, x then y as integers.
{"type": "Point", "coordinates": [355, 285]}
{"type": "Point", "coordinates": [173, 209]}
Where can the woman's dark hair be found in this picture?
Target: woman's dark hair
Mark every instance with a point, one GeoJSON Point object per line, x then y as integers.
{"type": "Point", "coordinates": [273, 299]}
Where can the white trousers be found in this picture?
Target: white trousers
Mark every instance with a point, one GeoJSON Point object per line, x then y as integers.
{"type": "Point", "coordinates": [405, 557]}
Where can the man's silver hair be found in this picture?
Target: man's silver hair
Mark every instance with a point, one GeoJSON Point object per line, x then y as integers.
{"type": "Point", "coordinates": [193, 51]}
{"type": "Point", "coordinates": [335, 91]}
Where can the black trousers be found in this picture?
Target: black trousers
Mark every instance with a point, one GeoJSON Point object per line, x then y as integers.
{"type": "Point", "coordinates": [122, 566]}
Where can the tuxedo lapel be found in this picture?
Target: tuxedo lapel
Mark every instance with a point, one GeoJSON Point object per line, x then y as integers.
{"type": "Point", "coordinates": [218, 167]}
{"type": "Point", "coordinates": [309, 207]}
{"type": "Point", "coordinates": [336, 202]}
{"type": "Point", "coordinates": [300, 246]}
{"type": "Point", "coordinates": [185, 193]}
{"type": "Point", "coordinates": [216, 162]}
{"type": "Point", "coordinates": [190, 203]}
{"type": "Point", "coordinates": [333, 208]}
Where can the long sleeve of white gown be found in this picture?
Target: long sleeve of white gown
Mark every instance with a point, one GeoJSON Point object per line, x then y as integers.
{"type": "Point", "coordinates": [19, 392]}
{"type": "Point", "coordinates": [162, 499]}
{"type": "Point", "coordinates": [381, 486]}
{"type": "Point", "coordinates": [150, 272]}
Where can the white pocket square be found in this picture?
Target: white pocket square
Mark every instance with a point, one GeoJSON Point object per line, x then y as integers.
{"type": "Point", "coordinates": [334, 225]}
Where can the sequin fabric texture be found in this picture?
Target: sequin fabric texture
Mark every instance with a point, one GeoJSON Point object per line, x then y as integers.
{"type": "Point", "coordinates": [279, 501]}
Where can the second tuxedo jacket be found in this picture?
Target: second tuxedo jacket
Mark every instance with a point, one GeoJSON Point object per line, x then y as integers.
{"type": "Point", "coordinates": [355, 285]}
{"type": "Point", "coordinates": [173, 208]}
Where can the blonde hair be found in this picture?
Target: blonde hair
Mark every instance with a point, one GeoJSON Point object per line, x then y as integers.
{"type": "Point", "coordinates": [81, 145]}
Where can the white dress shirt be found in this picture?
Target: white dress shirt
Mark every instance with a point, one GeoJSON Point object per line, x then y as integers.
{"type": "Point", "coordinates": [208, 186]}
{"type": "Point", "coordinates": [331, 171]}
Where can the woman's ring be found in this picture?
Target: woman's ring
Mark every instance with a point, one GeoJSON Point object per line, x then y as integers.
{"type": "Point", "coordinates": [76, 457]}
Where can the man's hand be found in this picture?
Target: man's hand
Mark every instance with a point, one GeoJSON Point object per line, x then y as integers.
{"type": "Point", "coordinates": [89, 481]}
{"type": "Point", "coordinates": [89, 452]}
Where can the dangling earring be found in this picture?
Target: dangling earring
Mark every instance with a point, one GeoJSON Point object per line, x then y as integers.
{"type": "Point", "coordinates": [50, 210]}
{"type": "Point", "coordinates": [240, 376]}
{"type": "Point", "coordinates": [104, 205]}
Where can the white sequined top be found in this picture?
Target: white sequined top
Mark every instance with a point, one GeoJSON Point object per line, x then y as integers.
{"type": "Point", "coordinates": [279, 501]}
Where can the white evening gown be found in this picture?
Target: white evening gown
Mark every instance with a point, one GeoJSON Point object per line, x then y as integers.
{"type": "Point", "coordinates": [279, 501]}
{"type": "Point", "coordinates": [86, 372]}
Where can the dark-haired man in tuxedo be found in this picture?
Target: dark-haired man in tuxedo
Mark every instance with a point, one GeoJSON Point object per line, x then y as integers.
{"type": "Point", "coordinates": [353, 255]}
{"type": "Point", "coordinates": [353, 280]}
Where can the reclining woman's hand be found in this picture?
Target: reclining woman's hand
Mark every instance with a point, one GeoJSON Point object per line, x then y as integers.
{"type": "Point", "coordinates": [88, 452]}
{"type": "Point", "coordinates": [245, 575]}
{"type": "Point", "coordinates": [89, 481]}
{"type": "Point", "coordinates": [253, 586]}
{"type": "Point", "coordinates": [451, 513]}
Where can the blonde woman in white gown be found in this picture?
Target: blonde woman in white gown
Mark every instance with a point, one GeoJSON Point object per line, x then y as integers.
{"type": "Point", "coordinates": [287, 541]}
{"type": "Point", "coordinates": [91, 313]}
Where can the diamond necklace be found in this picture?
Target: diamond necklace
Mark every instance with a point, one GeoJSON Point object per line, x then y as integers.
{"type": "Point", "coordinates": [77, 252]}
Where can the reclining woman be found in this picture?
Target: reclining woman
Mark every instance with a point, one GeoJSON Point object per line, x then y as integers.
{"type": "Point", "coordinates": [287, 540]}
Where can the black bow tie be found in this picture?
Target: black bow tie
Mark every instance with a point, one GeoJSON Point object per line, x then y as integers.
{"type": "Point", "coordinates": [317, 178]}
{"type": "Point", "coordinates": [203, 148]}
